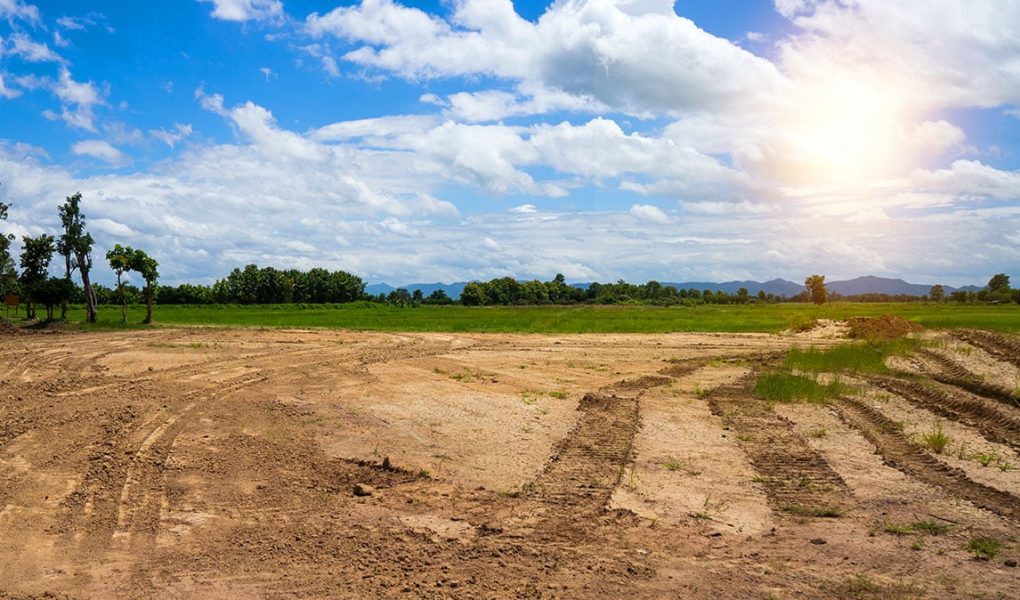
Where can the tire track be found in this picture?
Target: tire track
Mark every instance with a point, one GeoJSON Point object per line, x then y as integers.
{"type": "Point", "coordinates": [589, 462]}
{"type": "Point", "coordinates": [903, 455]}
{"type": "Point", "coordinates": [988, 417]}
{"type": "Point", "coordinates": [952, 373]}
{"type": "Point", "coordinates": [797, 479]}
{"type": "Point", "coordinates": [999, 346]}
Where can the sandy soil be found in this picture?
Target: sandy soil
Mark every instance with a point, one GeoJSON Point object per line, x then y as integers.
{"type": "Point", "coordinates": [210, 463]}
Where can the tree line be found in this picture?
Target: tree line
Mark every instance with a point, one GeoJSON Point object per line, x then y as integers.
{"type": "Point", "coordinates": [268, 285]}
{"type": "Point", "coordinates": [74, 244]}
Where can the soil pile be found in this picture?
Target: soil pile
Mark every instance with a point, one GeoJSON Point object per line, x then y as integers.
{"type": "Point", "coordinates": [884, 328]}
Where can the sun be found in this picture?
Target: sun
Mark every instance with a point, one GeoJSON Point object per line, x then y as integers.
{"type": "Point", "coordinates": [843, 131]}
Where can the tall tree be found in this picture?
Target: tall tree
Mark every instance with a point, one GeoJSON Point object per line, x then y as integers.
{"type": "Point", "coordinates": [120, 259]}
{"type": "Point", "coordinates": [6, 262]}
{"type": "Point", "coordinates": [815, 286]}
{"type": "Point", "coordinates": [36, 254]}
{"type": "Point", "coordinates": [937, 293]}
{"type": "Point", "coordinates": [146, 266]}
{"type": "Point", "coordinates": [76, 246]}
{"type": "Point", "coordinates": [998, 282]}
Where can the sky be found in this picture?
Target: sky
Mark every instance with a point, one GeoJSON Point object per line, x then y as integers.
{"type": "Point", "coordinates": [453, 140]}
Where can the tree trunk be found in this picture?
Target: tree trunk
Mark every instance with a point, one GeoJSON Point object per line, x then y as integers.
{"type": "Point", "coordinates": [123, 300]}
{"type": "Point", "coordinates": [148, 304]}
{"type": "Point", "coordinates": [90, 294]}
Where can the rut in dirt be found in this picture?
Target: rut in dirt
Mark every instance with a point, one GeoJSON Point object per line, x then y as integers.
{"type": "Point", "coordinates": [952, 373]}
{"type": "Point", "coordinates": [903, 455]}
{"type": "Point", "coordinates": [997, 345]}
{"type": "Point", "coordinates": [589, 463]}
{"type": "Point", "coordinates": [994, 421]}
{"type": "Point", "coordinates": [797, 479]}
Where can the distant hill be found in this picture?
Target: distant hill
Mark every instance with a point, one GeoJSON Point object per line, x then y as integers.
{"type": "Point", "coordinates": [452, 290]}
{"type": "Point", "coordinates": [780, 287]}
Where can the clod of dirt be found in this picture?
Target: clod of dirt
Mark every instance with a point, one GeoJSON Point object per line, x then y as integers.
{"type": "Point", "coordinates": [818, 541]}
{"type": "Point", "coordinates": [363, 489]}
{"type": "Point", "coordinates": [884, 328]}
{"type": "Point", "coordinates": [1010, 563]}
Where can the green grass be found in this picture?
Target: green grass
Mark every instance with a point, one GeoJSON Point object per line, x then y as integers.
{"type": "Point", "coordinates": [984, 548]}
{"type": "Point", "coordinates": [558, 319]}
{"type": "Point", "coordinates": [857, 357]}
{"type": "Point", "coordinates": [786, 387]}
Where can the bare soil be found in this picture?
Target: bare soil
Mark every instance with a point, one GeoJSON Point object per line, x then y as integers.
{"type": "Point", "coordinates": [216, 463]}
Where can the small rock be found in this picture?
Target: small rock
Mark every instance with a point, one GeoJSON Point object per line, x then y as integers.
{"type": "Point", "coordinates": [817, 541]}
{"type": "Point", "coordinates": [1010, 563]}
{"type": "Point", "coordinates": [363, 489]}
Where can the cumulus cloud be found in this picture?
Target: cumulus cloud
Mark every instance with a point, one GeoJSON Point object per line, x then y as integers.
{"type": "Point", "coordinates": [101, 150]}
{"type": "Point", "coordinates": [632, 56]}
{"type": "Point", "coordinates": [247, 10]}
{"type": "Point", "coordinates": [78, 101]}
{"type": "Point", "coordinates": [6, 92]}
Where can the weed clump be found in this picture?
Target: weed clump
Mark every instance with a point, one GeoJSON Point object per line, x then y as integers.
{"type": "Point", "coordinates": [787, 387]}
{"type": "Point", "coordinates": [984, 548]}
{"type": "Point", "coordinates": [936, 439]}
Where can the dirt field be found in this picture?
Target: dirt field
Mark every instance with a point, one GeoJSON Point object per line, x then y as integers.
{"type": "Point", "coordinates": [208, 463]}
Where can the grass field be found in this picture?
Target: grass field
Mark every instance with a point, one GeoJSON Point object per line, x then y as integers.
{"type": "Point", "coordinates": [561, 319]}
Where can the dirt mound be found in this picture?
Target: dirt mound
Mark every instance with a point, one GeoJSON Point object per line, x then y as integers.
{"type": "Point", "coordinates": [886, 327]}
{"type": "Point", "coordinates": [8, 329]}
{"type": "Point", "coordinates": [820, 329]}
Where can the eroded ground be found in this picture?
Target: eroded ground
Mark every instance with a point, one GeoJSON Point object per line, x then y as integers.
{"type": "Point", "coordinates": [206, 463]}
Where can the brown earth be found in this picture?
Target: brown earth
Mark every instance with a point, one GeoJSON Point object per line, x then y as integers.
{"type": "Point", "coordinates": [208, 463]}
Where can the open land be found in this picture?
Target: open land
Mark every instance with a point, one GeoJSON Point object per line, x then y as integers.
{"type": "Point", "coordinates": [212, 462]}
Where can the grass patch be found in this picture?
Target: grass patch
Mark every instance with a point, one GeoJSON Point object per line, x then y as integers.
{"type": "Point", "coordinates": [818, 433]}
{"type": "Point", "coordinates": [936, 439]}
{"type": "Point", "coordinates": [787, 387]}
{"type": "Point", "coordinates": [858, 357]}
{"type": "Point", "coordinates": [766, 318]}
{"type": "Point", "coordinates": [984, 548]}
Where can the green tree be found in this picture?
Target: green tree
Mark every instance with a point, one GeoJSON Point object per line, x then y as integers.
{"type": "Point", "coordinates": [147, 267]}
{"type": "Point", "coordinates": [120, 259]}
{"type": "Point", "coordinates": [75, 244]}
{"type": "Point", "coordinates": [937, 293]}
{"type": "Point", "coordinates": [473, 294]}
{"type": "Point", "coordinates": [815, 286]}
{"type": "Point", "coordinates": [998, 282]}
{"type": "Point", "coordinates": [6, 262]}
{"type": "Point", "coordinates": [762, 296]}
{"type": "Point", "coordinates": [52, 292]}
{"type": "Point", "coordinates": [36, 254]}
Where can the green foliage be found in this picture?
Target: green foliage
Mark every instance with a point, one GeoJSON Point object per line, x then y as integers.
{"type": "Point", "coordinates": [53, 292]}
{"type": "Point", "coordinates": [859, 357]}
{"type": "Point", "coordinates": [769, 318]}
{"type": "Point", "coordinates": [936, 439]}
{"type": "Point", "coordinates": [937, 293]}
{"type": "Point", "coordinates": [984, 548]}
{"type": "Point", "coordinates": [36, 254]}
{"type": "Point", "coordinates": [815, 285]}
{"type": "Point", "coordinates": [254, 285]}
{"type": "Point", "coordinates": [786, 387]}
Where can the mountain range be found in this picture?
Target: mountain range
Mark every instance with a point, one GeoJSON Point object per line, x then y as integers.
{"type": "Point", "coordinates": [780, 287]}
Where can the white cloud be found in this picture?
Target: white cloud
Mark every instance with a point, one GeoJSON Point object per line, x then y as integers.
{"type": "Point", "coordinates": [247, 10]}
{"type": "Point", "coordinates": [938, 136]}
{"type": "Point", "coordinates": [637, 57]}
{"type": "Point", "coordinates": [524, 209]}
{"type": "Point", "coordinates": [101, 150]}
{"type": "Point", "coordinates": [173, 137]}
{"type": "Point", "coordinates": [16, 9]}
{"type": "Point", "coordinates": [6, 92]}
{"type": "Point", "coordinates": [23, 46]}
{"type": "Point", "coordinates": [647, 212]}
{"type": "Point", "coordinates": [78, 100]}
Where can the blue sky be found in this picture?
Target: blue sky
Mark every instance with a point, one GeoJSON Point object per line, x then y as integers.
{"type": "Point", "coordinates": [463, 139]}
